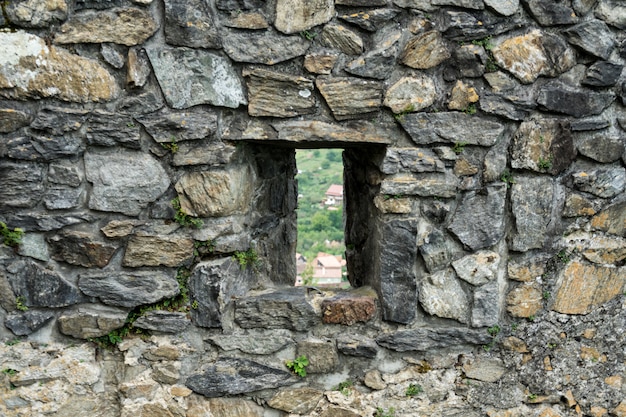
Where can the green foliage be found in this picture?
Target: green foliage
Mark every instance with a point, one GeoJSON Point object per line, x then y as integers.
{"type": "Point", "coordinates": [317, 224]}
{"type": "Point", "coordinates": [246, 258]}
{"type": "Point", "coordinates": [203, 247]}
{"type": "Point", "coordinates": [485, 43]}
{"type": "Point", "coordinates": [531, 318]}
{"type": "Point", "coordinates": [171, 146]}
{"type": "Point", "coordinates": [507, 178]}
{"type": "Point", "coordinates": [12, 342]}
{"type": "Point", "coordinates": [408, 109]}
{"type": "Point", "coordinates": [344, 387]}
{"type": "Point", "coordinates": [547, 295]}
{"type": "Point", "coordinates": [11, 237]}
{"type": "Point", "coordinates": [470, 109]}
{"type": "Point", "coordinates": [532, 396]}
{"type": "Point", "coordinates": [183, 218]}
{"type": "Point", "coordinates": [19, 303]}
{"type": "Point", "coordinates": [459, 147]}
{"type": "Point", "coordinates": [563, 256]}
{"type": "Point", "coordinates": [298, 365]}
{"type": "Point", "coordinates": [380, 412]}
{"type": "Point", "coordinates": [544, 164]}
{"type": "Point", "coordinates": [413, 389]}
{"type": "Point", "coordinates": [9, 371]}
{"type": "Point", "coordinates": [309, 36]}
{"type": "Point", "coordinates": [494, 330]}
{"type": "Point", "coordinates": [178, 303]}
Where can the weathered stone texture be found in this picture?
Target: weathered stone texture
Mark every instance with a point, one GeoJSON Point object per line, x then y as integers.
{"type": "Point", "coordinates": [184, 86]}
{"type": "Point", "coordinates": [534, 54]}
{"type": "Point", "coordinates": [230, 376]}
{"type": "Point", "coordinates": [284, 309]}
{"type": "Point", "coordinates": [451, 127]}
{"type": "Point", "coordinates": [126, 26]}
{"type": "Point", "coordinates": [87, 321]}
{"type": "Point", "coordinates": [294, 16]}
{"type": "Point", "coordinates": [297, 400]}
{"type": "Point", "coordinates": [267, 47]}
{"type": "Point", "coordinates": [190, 23]}
{"type": "Point", "coordinates": [581, 287]}
{"type": "Point", "coordinates": [124, 182]}
{"type": "Point", "coordinates": [129, 289]}
{"type": "Point", "coordinates": [531, 199]}
{"type": "Point", "coordinates": [350, 97]}
{"type": "Point", "coordinates": [144, 249]}
{"type": "Point", "coordinates": [80, 248]}
{"type": "Point", "coordinates": [215, 193]}
{"type": "Point", "coordinates": [31, 69]}
{"type": "Point", "coordinates": [479, 220]}
{"type": "Point", "coordinates": [264, 86]}
{"type": "Point", "coordinates": [441, 294]}
{"type": "Point", "coordinates": [425, 51]}
{"type": "Point", "coordinates": [398, 289]}
{"type": "Point", "coordinates": [348, 309]}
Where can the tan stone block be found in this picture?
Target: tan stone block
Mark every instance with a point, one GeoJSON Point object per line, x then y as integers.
{"type": "Point", "coordinates": [525, 271]}
{"type": "Point", "coordinates": [463, 167]}
{"type": "Point", "coordinates": [614, 381]}
{"type": "Point", "coordinates": [569, 398]}
{"type": "Point", "coordinates": [549, 412]}
{"type": "Point", "coordinates": [462, 96]}
{"type": "Point", "coordinates": [348, 309]}
{"type": "Point", "coordinates": [581, 287]}
{"type": "Point", "coordinates": [180, 391]}
{"type": "Point", "coordinates": [589, 333]}
{"type": "Point", "coordinates": [547, 365]}
{"type": "Point", "coordinates": [425, 51]}
{"type": "Point", "coordinates": [320, 63]}
{"type": "Point", "coordinates": [515, 344]}
{"type": "Point", "coordinates": [126, 26]}
{"type": "Point", "coordinates": [620, 410]}
{"type": "Point", "coordinates": [401, 205]}
{"type": "Point", "coordinates": [524, 301]}
{"type": "Point", "coordinates": [597, 411]}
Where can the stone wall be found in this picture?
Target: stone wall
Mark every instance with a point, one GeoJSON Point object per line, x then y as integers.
{"type": "Point", "coordinates": [147, 151]}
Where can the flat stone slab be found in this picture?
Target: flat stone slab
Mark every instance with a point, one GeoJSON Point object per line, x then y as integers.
{"type": "Point", "coordinates": [283, 309]}
{"type": "Point", "coordinates": [451, 127]}
{"type": "Point", "coordinates": [189, 77]}
{"type": "Point", "coordinates": [124, 181]}
{"type": "Point", "coordinates": [231, 376]}
{"type": "Point", "coordinates": [424, 339]}
{"type": "Point", "coordinates": [129, 289]}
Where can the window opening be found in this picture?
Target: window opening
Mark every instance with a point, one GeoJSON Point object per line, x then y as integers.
{"type": "Point", "coordinates": [320, 251]}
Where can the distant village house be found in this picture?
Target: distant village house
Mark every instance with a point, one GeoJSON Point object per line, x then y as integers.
{"type": "Point", "coordinates": [334, 195]}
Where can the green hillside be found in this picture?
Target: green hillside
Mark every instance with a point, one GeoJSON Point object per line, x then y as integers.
{"type": "Point", "coordinates": [318, 169]}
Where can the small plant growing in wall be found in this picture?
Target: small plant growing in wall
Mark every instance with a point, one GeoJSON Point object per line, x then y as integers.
{"type": "Point", "coordinates": [171, 146]}
{"type": "Point", "coordinates": [507, 178]}
{"type": "Point", "coordinates": [413, 390]}
{"type": "Point", "coordinates": [459, 147]}
{"type": "Point", "coordinates": [344, 387]}
{"type": "Point", "coordinates": [20, 303]}
{"type": "Point", "coordinates": [380, 412]}
{"type": "Point", "coordinates": [183, 218]}
{"type": "Point", "coordinates": [298, 365]}
{"type": "Point", "coordinates": [544, 164]}
{"type": "Point", "coordinates": [10, 237]}
{"type": "Point", "coordinates": [246, 258]}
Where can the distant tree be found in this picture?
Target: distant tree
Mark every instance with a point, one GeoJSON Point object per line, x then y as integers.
{"type": "Point", "coordinates": [321, 221]}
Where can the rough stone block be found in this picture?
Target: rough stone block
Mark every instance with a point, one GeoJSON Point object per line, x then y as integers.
{"type": "Point", "coordinates": [284, 309]}
{"type": "Point", "coordinates": [348, 309]}
{"type": "Point", "coordinates": [231, 376]}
